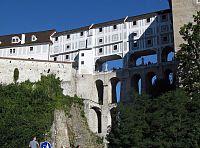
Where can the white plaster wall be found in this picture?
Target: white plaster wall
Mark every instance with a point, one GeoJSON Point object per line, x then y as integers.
{"type": "Point", "coordinates": [32, 70]}
{"type": "Point", "coordinates": [77, 43]}
{"type": "Point", "coordinates": [40, 52]}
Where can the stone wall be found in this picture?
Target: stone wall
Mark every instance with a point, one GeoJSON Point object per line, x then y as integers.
{"type": "Point", "coordinates": [32, 70]}
{"type": "Point", "coordinates": [182, 11]}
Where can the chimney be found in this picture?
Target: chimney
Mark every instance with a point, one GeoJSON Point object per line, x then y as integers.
{"type": "Point", "coordinates": [23, 39]}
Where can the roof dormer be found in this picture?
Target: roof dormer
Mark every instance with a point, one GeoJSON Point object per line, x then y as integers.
{"type": "Point", "coordinates": [15, 39]}
{"type": "Point", "coordinates": [33, 38]}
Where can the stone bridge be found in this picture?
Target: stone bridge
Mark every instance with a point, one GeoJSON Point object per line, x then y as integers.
{"type": "Point", "coordinates": [101, 92]}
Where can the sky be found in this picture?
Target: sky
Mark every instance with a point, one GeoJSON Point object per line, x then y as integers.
{"type": "Point", "coordinates": [20, 16]}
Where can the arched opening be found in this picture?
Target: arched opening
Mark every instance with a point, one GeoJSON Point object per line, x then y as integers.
{"type": "Point", "coordinates": [99, 125]}
{"type": "Point", "coordinates": [150, 80]}
{"type": "Point", "coordinates": [167, 54]}
{"type": "Point", "coordinates": [116, 89]}
{"type": "Point", "coordinates": [108, 63]}
{"type": "Point", "coordinates": [136, 83]}
{"type": "Point", "coordinates": [169, 76]}
{"type": "Point", "coordinates": [99, 86]}
{"type": "Point", "coordinates": [145, 57]}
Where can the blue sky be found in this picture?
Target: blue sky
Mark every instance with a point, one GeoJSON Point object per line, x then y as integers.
{"type": "Point", "coordinates": [19, 16]}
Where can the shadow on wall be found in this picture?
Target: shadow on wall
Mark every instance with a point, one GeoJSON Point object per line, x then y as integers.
{"type": "Point", "coordinates": [153, 48]}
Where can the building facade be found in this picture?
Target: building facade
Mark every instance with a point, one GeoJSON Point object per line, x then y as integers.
{"type": "Point", "coordinates": [33, 45]}
{"type": "Point", "coordinates": [91, 46]}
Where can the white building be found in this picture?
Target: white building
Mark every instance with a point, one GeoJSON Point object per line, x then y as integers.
{"type": "Point", "coordinates": [93, 45]}
{"type": "Point", "coordinates": [33, 45]}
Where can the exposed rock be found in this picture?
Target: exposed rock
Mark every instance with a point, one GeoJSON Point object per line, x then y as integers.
{"type": "Point", "coordinates": [59, 130]}
{"type": "Point", "coordinates": [73, 129]}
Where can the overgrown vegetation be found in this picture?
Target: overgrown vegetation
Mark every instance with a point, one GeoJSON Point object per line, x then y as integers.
{"type": "Point", "coordinates": [189, 56]}
{"type": "Point", "coordinates": [170, 120]}
{"type": "Point", "coordinates": [27, 109]}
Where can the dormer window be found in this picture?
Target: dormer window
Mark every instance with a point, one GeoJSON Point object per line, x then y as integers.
{"type": "Point", "coordinates": [33, 38]}
{"type": "Point", "coordinates": [15, 39]}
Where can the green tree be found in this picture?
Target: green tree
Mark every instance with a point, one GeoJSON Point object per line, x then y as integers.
{"type": "Point", "coordinates": [189, 56]}
{"type": "Point", "coordinates": [27, 109]}
{"type": "Point", "coordinates": [170, 120]}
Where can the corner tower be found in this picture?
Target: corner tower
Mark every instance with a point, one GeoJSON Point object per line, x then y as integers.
{"type": "Point", "coordinates": [182, 11]}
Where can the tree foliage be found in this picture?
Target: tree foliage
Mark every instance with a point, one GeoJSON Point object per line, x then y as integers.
{"type": "Point", "coordinates": [170, 120]}
{"type": "Point", "coordinates": [189, 56]}
{"type": "Point", "coordinates": [26, 110]}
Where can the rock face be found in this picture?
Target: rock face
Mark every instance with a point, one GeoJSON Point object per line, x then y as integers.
{"type": "Point", "coordinates": [73, 129]}
{"type": "Point", "coordinates": [59, 130]}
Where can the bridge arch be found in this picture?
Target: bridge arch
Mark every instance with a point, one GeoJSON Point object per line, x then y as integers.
{"type": "Point", "coordinates": [115, 83]}
{"type": "Point", "coordinates": [139, 54]}
{"type": "Point", "coordinates": [167, 54]}
{"type": "Point", "coordinates": [169, 76]}
{"type": "Point", "coordinates": [149, 80]}
{"type": "Point", "coordinates": [99, 63]}
{"type": "Point", "coordinates": [100, 90]}
{"type": "Point", "coordinates": [98, 124]}
{"type": "Point", "coordinates": [136, 83]}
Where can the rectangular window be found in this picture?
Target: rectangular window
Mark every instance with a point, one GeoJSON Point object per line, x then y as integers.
{"type": "Point", "coordinates": [13, 50]}
{"type": "Point", "coordinates": [31, 48]}
{"type": "Point", "coordinates": [10, 51]}
{"type": "Point", "coordinates": [82, 62]}
{"type": "Point", "coordinates": [134, 23]}
{"type": "Point", "coordinates": [66, 56]}
{"type": "Point", "coordinates": [115, 47]}
{"type": "Point", "coordinates": [55, 58]}
{"type": "Point", "coordinates": [68, 46]}
{"type": "Point", "coordinates": [114, 26]}
{"type": "Point", "coordinates": [165, 39]}
{"type": "Point", "coordinates": [164, 18]}
{"type": "Point", "coordinates": [81, 34]}
{"type": "Point", "coordinates": [56, 38]}
{"type": "Point", "coordinates": [100, 40]}
{"type": "Point", "coordinates": [100, 29]}
{"type": "Point", "coordinates": [100, 50]}
{"type": "Point", "coordinates": [149, 43]}
{"type": "Point", "coordinates": [148, 20]}
{"type": "Point", "coordinates": [68, 36]}
{"type": "Point", "coordinates": [82, 54]}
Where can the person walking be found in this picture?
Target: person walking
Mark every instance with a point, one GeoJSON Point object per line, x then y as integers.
{"type": "Point", "coordinates": [34, 143]}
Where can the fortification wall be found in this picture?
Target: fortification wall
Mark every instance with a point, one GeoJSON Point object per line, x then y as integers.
{"type": "Point", "coordinates": [32, 70]}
